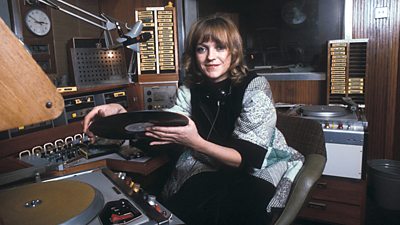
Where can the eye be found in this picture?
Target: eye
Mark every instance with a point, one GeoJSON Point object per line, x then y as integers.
{"type": "Point", "coordinates": [200, 49]}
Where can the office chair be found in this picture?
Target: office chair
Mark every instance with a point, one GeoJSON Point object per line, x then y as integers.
{"type": "Point", "coordinates": [306, 136]}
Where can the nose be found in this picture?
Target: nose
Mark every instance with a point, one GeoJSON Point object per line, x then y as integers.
{"type": "Point", "coordinates": [211, 54]}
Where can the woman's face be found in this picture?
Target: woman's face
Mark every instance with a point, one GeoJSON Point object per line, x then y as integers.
{"type": "Point", "coordinates": [213, 60]}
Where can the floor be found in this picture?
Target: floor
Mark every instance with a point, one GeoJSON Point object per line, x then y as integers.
{"type": "Point", "coordinates": [376, 215]}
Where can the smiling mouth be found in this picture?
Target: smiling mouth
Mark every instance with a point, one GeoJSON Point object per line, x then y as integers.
{"type": "Point", "coordinates": [212, 66]}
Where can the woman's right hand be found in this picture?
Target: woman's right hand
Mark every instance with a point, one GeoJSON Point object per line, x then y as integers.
{"type": "Point", "coordinates": [100, 111]}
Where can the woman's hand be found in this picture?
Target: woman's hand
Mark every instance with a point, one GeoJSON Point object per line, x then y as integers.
{"type": "Point", "coordinates": [183, 135]}
{"type": "Point", "coordinates": [188, 136]}
{"type": "Point", "coordinates": [100, 111]}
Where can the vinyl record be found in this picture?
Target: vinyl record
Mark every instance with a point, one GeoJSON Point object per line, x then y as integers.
{"type": "Point", "coordinates": [132, 125]}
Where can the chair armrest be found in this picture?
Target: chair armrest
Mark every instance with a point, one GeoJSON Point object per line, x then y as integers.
{"type": "Point", "coordinates": [306, 178]}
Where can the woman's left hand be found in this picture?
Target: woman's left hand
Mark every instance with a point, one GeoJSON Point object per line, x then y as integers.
{"type": "Point", "coordinates": [183, 135]}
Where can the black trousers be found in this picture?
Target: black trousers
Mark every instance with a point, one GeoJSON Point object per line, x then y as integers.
{"type": "Point", "coordinates": [220, 198]}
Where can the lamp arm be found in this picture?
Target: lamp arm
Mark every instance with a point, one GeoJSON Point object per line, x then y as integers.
{"type": "Point", "coordinates": [108, 24]}
{"type": "Point", "coordinates": [129, 40]}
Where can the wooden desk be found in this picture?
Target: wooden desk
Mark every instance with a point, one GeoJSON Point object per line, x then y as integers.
{"type": "Point", "coordinates": [143, 169]}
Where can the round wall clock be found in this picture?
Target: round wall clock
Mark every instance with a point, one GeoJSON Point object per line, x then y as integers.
{"type": "Point", "coordinates": [38, 22]}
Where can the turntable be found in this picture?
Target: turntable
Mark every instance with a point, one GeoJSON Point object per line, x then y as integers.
{"type": "Point", "coordinates": [96, 197]}
{"type": "Point", "coordinates": [345, 131]}
{"type": "Point", "coordinates": [62, 202]}
{"type": "Point", "coordinates": [323, 111]}
{"type": "Point", "coordinates": [334, 117]}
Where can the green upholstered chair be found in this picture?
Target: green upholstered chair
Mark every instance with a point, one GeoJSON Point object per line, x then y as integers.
{"type": "Point", "coordinates": [306, 136]}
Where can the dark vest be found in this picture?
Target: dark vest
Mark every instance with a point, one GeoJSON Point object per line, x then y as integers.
{"type": "Point", "coordinates": [218, 103]}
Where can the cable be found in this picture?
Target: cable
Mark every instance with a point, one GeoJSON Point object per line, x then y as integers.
{"type": "Point", "coordinates": [215, 120]}
{"type": "Point", "coordinates": [208, 135]}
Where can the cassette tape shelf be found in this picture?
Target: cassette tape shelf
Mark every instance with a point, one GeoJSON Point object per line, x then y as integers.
{"type": "Point", "coordinates": [159, 54]}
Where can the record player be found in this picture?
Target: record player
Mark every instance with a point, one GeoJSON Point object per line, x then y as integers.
{"type": "Point", "coordinates": [95, 197]}
{"type": "Point", "coordinates": [346, 129]}
{"type": "Point", "coordinates": [334, 117]}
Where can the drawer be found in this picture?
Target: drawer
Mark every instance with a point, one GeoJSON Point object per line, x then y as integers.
{"type": "Point", "coordinates": [331, 212]}
{"type": "Point", "coordinates": [340, 190]}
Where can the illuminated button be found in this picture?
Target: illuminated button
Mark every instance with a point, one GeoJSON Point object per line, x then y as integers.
{"type": "Point", "coordinates": [158, 208]}
{"type": "Point", "coordinates": [73, 115]}
{"type": "Point", "coordinates": [151, 199]}
{"type": "Point", "coordinates": [122, 175]}
{"type": "Point", "coordinates": [136, 187]}
{"type": "Point", "coordinates": [119, 94]}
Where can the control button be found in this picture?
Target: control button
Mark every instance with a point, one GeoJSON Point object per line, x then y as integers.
{"type": "Point", "coordinates": [136, 187]}
{"type": "Point", "coordinates": [131, 184]}
{"type": "Point", "coordinates": [122, 175]}
{"type": "Point", "coordinates": [148, 92]}
{"type": "Point", "coordinates": [149, 100]}
{"type": "Point", "coordinates": [340, 126]}
{"type": "Point", "coordinates": [151, 199]}
{"type": "Point", "coordinates": [119, 219]}
{"type": "Point", "coordinates": [326, 125]}
{"type": "Point", "coordinates": [158, 208]}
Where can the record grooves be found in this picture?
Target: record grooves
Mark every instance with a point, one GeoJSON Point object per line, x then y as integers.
{"type": "Point", "coordinates": [132, 125]}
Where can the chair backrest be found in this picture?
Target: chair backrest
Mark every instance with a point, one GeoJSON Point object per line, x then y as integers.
{"type": "Point", "coordinates": [304, 135]}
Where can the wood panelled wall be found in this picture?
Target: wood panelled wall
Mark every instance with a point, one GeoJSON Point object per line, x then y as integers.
{"type": "Point", "coordinates": [65, 28]}
{"type": "Point", "coordinates": [124, 10]}
{"type": "Point", "coordinates": [396, 148]}
{"type": "Point", "coordinates": [382, 87]}
{"type": "Point", "coordinates": [310, 92]}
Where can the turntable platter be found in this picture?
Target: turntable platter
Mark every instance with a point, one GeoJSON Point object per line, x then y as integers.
{"type": "Point", "coordinates": [57, 202]}
{"type": "Point", "coordinates": [323, 111]}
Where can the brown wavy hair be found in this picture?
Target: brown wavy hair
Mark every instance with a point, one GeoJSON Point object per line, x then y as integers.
{"type": "Point", "coordinates": [224, 32]}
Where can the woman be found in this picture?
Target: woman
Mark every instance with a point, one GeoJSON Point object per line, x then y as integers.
{"type": "Point", "coordinates": [236, 165]}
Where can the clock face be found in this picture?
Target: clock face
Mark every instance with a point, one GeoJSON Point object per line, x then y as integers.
{"type": "Point", "coordinates": [38, 22]}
